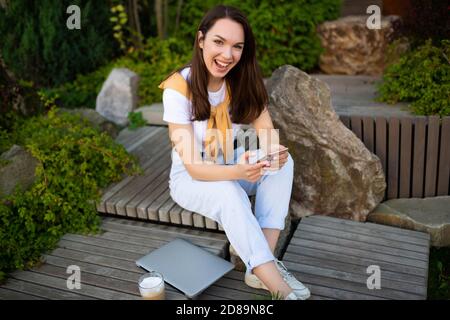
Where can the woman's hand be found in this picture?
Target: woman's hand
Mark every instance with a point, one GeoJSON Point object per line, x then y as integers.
{"type": "Point", "coordinates": [250, 172]}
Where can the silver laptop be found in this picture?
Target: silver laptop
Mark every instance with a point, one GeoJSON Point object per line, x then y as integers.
{"type": "Point", "coordinates": [185, 266]}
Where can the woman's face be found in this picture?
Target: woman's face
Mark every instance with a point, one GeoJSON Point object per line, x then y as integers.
{"type": "Point", "coordinates": [222, 47]}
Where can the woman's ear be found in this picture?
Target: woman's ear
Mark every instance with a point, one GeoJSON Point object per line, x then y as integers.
{"type": "Point", "coordinates": [200, 39]}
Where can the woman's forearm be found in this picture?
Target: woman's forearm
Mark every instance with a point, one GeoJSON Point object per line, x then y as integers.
{"type": "Point", "coordinates": [213, 172]}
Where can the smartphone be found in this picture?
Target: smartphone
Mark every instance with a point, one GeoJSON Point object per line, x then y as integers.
{"type": "Point", "coordinates": [270, 156]}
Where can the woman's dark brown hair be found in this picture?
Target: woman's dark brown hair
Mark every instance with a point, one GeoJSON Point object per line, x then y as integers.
{"type": "Point", "coordinates": [248, 93]}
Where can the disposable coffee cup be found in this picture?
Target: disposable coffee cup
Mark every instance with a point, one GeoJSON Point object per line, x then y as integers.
{"type": "Point", "coordinates": [151, 286]}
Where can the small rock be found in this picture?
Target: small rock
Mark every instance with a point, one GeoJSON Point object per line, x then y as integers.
{"type": "Point", "coordinates": [118, 96]}
{"type": "Point", "coordinates": [20, 170]}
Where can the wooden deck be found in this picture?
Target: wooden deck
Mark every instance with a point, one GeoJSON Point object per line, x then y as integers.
{"type": "Point", "coordinates": [331, 256]}
{"type": "Point", "coordinates": [108, 269]}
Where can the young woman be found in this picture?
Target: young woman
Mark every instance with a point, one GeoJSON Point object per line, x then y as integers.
{"type": "Point", "coordinates": [205, 102]}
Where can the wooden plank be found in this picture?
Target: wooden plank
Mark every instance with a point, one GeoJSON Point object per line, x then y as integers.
{"type": "Point", "coordinates": [356, 125]}
{"type": "Point", "coordinates": [149, 195]}
{"type": "Point", "coordinates": [143, 139]}
{"type": "Point", "coordinates": [373, 226]}
{"type": "Point", "coordinates": [116, 187]}
{"type": "Point", "coordinates": [139, 180]}
{"type": "Point", "coordinates": [60, 283]}
{"type": "Point", "coordinates": [128, 278]}
{"type": "Point", "coordinates": [138, 204]}
{"type": "Point", "coordinates": [6, 294]}
{"type": "Point", "coordinates": [127, 137]}
{"type": "Point", "coordinates": [414, 256]}
{"type": "Point", "coordinates": [163, 212]}
{"type": "Point", "coordinates": [356, 273]}
{"type": "Point", "coordinates": [175, 214]}
{"type": "Point", "coordinates": [127, 249]}
{"type": "Point", "coordinates": [345, 120]}
{"type": "Point", "coordinates": [186, 218]}
{"type": "Point", "coordinates": [151, 229]}
{"type": "Point", "coordinates": [346, 281]}
{"type": "Point", "coordinates": [432, 156]}
{"type": "Point", "coordinates": [151, 146]}
{"type": "Point", "coordinates": [43, 291]}
{"type": "Point", "coordinates": [211, 224]}
{"type": "Point", "coordinates": [96, 280]}
{"type": "Point", "coordinates": [139, 133]}
{"type": "Point", "coordinates": [363, 230]}
{"type": "Point", "coordinates": [199, 220]}
{"type": "Point", "coordinates": [381, 144]}
{"type": "Point", "coordinates": [368, 133]}
{"type": "Point", "coordinates": [390, 270]}
{"type": "Point", "coordinates": [153, 209]}
{"type": "Point", "coordinates": [298, 244]}
{"type": "Point", "coordinates": [443, 188]}
{"type": "Point", "coordinates": [405, 157]}
{"type": "Point", "coordinates": [157, 240]}
{"type": "Point", "coordinates": [393, 158]}
{"type": "Point", "coordinates": [418, 173]}
{"type": "Point", "coordinates": [369, 239]}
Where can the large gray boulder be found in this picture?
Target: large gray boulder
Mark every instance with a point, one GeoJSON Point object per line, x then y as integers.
{"type": "Point", "coordinates": [335, 174]}
{"type": "Point", "coordinates": [431, 215]}
{"type": "Point", "coordinates": [118, 96]}
{"type": "Point", "coordinates": [19, 170]}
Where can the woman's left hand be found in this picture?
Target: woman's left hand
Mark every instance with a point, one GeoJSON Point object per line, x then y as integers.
{"type": "Point", "coordinates": [279, 160]}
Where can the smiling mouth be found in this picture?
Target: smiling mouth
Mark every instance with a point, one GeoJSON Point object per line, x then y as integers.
{"type": "Point", "coordinates": [221, 66]}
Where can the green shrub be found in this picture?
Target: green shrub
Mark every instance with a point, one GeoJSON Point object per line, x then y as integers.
{"type": "Point", "coordinates": [37, 45]}
{"type": "Point", "coordinates": [421, 77]}
{"type": "Point", "coordinates": [136, 120]}
{"type": "Point", "coordinates": [157, 60]}
{"type": "Point", "coordinates": [75, 163]}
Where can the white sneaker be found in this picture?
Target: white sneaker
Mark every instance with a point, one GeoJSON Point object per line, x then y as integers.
{"type": "Point", "coordinates": [292, 296]}
{"type": "Point", "coordinates": [298, 288]}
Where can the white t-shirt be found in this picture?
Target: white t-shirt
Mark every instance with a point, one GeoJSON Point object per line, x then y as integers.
{"type": "Point", "coordinates": [178, 109]}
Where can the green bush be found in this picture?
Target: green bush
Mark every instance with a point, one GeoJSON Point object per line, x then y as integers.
{"type": "Point", "coordinates": [75, 163]}
{"type": "Point", "coordinates": [37, 45]}
{"type": "Point", "coordinates": [422, 77]}
{"type": "Point", "coordinates": [158, 59]}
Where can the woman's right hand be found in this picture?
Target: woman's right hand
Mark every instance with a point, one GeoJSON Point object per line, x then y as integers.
{"type": "Point", "coordinates": [250, 172]}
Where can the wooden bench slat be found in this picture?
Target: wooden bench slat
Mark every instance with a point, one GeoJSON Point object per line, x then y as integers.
{"type": "Point", "coordinates": [432, 156]}
{"type": "Point", "coordinates": [355, 273]}
{"type": "Point", "coordinates": [370, 239]}
{"type": "Point", "coordinates": [401, 272]}
{"type": "Point", "coordinates": [60, 283]}
{"type": "Point", "coordinates": [405, 157]}
{"type": "Point", "coordinates": [374, 226]}
{"type": "Point", "coordinates": [443, 188]}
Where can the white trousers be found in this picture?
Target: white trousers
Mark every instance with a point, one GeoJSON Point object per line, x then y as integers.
{"type": "Point", "coordinates": [227, 203]}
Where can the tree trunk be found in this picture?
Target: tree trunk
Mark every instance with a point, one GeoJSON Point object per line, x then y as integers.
{"type": "Point", "coordinates": [166, 17]}
{"type": "Point", "coordinates": [159, 18]}
{"type": "Point", "coordinates": [177, 22]}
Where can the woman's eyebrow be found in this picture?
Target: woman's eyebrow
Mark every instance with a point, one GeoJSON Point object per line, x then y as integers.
{"type": "Point", "coordinates": [216, 35]}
